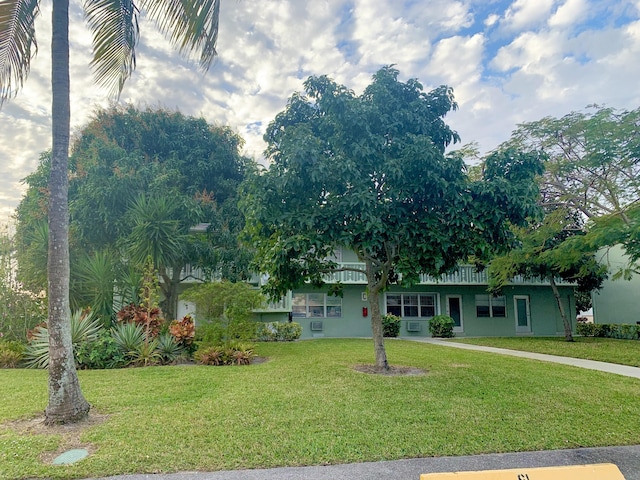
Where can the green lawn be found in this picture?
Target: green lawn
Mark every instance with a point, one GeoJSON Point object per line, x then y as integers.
{"type": "Point", "coordinates": [623, 352]}
{"type": "Point", "coordinates": [307, 406]}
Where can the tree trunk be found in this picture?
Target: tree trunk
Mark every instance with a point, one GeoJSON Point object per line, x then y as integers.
{"type": "Point", "coordinates": [169, 288]}
{"type": "Point", "coordinates": [568, 336]}
{"type": "Point", "coordinates": [376, 319]}
{"type": "Point", "coordinates": [66, 402]}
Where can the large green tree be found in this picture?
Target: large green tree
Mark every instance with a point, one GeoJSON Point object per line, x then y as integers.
{"type": "Point", "coordinates": [368, 172]}
{"type": "Point", "coordinates": [542, 253]}
{"type": "Point", "coordinates": [139, 181]}
{"type": "Point", "coordinates": [191, 25]}
{"type": "Point", "coordinates": [593, 169]}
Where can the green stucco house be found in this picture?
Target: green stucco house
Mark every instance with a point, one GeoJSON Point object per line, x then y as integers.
{"type": "Point", "coordinates": [615, 301]}
{"type": "Point", "coordinates": [526, 307]}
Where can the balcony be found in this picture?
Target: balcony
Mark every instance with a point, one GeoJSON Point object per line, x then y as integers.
{"type": "Point", "coordinates": [464, 275]}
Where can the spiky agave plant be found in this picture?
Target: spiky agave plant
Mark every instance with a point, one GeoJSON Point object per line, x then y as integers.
{"type": "Point", "coordinates": [84, 328]}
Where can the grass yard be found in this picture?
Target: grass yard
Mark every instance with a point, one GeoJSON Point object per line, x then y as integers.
{"type": "Point", "coordinates": [623, 352]}
{"type": "Point", "coordinates": [307, 406]}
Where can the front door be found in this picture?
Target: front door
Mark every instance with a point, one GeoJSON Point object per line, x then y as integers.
{"type": "Point", "coordinates": [523, 315]}
{"type": "Point", "coordinates": [454, 310]}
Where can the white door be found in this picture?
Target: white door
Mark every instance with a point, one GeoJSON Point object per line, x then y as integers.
{"type": "Point", "coordinates": [454, 310]}
{"type": "Point", "coordinates": [523, 315]}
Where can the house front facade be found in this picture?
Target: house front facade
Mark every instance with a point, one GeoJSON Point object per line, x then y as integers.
{"type": "Point", "coordinates": [525, 307]}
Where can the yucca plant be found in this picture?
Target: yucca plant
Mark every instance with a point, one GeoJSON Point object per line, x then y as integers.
{"type": "Point", "coordinates": [84, 328]}
{"type": "Point", "coordinates": [169, 348]}
{"type": "Point", "coordinates": [128, 336]}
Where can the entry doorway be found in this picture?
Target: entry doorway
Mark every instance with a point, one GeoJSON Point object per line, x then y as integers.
{"type": "Point", "coordinates": [523, 313]}
{"type": "Point", "coordinates": [454, 310]}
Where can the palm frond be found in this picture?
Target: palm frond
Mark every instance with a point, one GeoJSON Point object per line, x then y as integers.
{"type": "Point", "coordinates": [17, 44]}
{"type": "Point", "coordinates": [191, 25]}
{"type": "Point", "coordinates": [114, 24]}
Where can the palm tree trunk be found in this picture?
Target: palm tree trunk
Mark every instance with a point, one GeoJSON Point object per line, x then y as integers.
{"type": "Point", "coordinates": [568, 336]}
{"type": "Point", "coordinates": [66, 402]}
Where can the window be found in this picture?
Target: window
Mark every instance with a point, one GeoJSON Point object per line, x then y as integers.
{"type": "Point", "coordinates": [490, 306]}
{"type": "Point", "coordinates": [414, 305]}
{"type": "Point", "coordinates": [315, 305]}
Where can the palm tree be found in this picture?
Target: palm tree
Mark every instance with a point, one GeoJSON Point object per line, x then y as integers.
{"type": "Point", "coordinates": [191, 25]}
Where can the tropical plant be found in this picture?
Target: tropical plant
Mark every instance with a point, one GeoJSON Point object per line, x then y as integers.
{"type": "Point", "coordinates": [115, 35]}
{"type": "Point", "coordinates": [183, 331]}
{"type": "Point", "coordinates": [146, 354]}
{"type": "Point", "coordinates": [225, 310]}
{"type": "Point", "coordinates": [169, 348]}
{"type": "Point", "coordinates": [128, 336]}
{"type": "Point", "coordinates": [85, 327]}
{"type": "Point", "coordinates": [103, 352]}
{"type": "Point", "coordinates": [11, 353]}
{"type": "Point", "coordinates": [441, 326]}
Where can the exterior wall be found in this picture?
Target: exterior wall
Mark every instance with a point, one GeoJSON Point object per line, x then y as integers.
{"type": "Point", "coordinates": [545, 318]}
{"type": "Point", "coordinates": [615, 302]}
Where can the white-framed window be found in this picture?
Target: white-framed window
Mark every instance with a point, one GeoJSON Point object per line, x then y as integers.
{"type": "Point", "coordinates": [414, 305]}
{"type": "Point", "coordinates": [490, 306]}
{"type": "Point", "coordinates": [316, 305]}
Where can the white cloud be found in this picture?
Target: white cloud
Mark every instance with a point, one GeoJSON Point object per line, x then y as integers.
{"type": "Point", "coordinates": [569, 13]}
{"type": "Point", "coordinates": [532, 65]}
{"type": "Point", "coordinates": [526, 13]}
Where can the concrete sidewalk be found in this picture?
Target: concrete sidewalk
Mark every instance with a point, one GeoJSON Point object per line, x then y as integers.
{"type": "Point", "coordinates": [575, 362]}
{"type": "Point", "coordinates": [626, 458]}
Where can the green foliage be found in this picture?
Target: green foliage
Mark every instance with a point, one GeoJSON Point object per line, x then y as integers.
{"type": "Point", "coordinates": [593, 170]}
{"type": "Point", "coordinates": [586, 329]}
{"type": "Point", "coordinates": [368, 173]}
{"type": "Point", "coordinates": [391, 325]}
{"type": "Point", "coordinates": [102, 352]}
{"type": "Point", "coordinates": [11, 353]}
{"type": "Point", "coordinates": [614, 330]}
{"type": "Point", "coordinates": [225, 311]}
{"type": "Point", "coordinates": [441, 326]}
{"type": "Point", "coordinates": [20, 310]}
{"type": "Point", "coordinates": [128, 337]}
{"type": "Point", "coordinates": [278, 331]}
{"type": "Point", "coordinates": [169, 348]}
{"type": "Point", "coordinates": [85, 327]}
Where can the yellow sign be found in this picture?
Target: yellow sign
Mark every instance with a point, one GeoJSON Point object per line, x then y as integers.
{"type": "Point", "coordinates": [601, 471]}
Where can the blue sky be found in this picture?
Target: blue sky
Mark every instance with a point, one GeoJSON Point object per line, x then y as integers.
{"type": "Point", "coordinates": [507, 61]}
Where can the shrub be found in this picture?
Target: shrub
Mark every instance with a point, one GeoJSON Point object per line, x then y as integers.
{"type": "Point", "coordinates": [183, 330]}
{"type": "Point", "coordinates": [150, 319]}
{"type": "Point", "coordinates": [278, 331]}
{"type": "Point", "coordinates": [586, 329]}
{"type": "Point", "coordinates": [11, 353]}
{"type": "Point", "coordinates": [391, 325]}
{"type": "Point", "coordinates": [102, 352]}
{"type": "Point", "coordinates": [441, 326]}
{"type": "Point", "coordinates": [211, 355]}
{"type": "Point", "coordinates": [601, 330]}
{"type": "Point", "coordinates": [229, 354]}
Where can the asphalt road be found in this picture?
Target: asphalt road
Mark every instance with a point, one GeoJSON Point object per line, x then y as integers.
{"type": "Point", "coordinates": [626, 458]}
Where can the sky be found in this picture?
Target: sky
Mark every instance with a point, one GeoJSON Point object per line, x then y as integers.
{"type": "Point", "coordinates": [508, 62]}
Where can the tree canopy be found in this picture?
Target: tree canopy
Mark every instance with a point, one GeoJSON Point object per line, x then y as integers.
{"type": "Point", "coordinates": [592, 168]}
{"type": "Point", "coordinates": [139, 181]}
{"type": "Point", "coordinates": [542, 253]}
{"type": "Point", "coordinates": [368, 172]}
